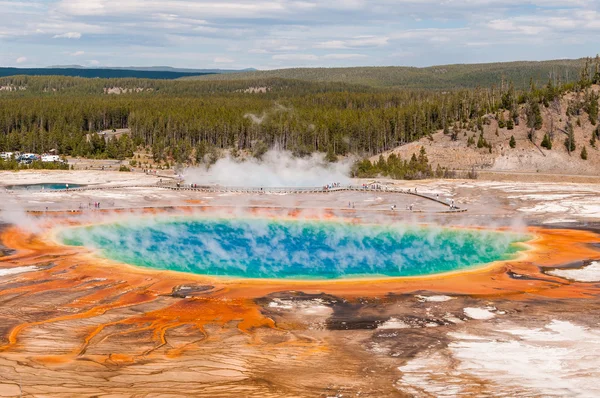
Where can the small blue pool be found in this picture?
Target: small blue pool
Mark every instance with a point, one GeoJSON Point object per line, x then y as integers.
{"type": "Point", "coordinates": [43, 187]}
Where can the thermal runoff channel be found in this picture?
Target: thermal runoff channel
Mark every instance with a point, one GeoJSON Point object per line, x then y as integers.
{"type": "Point", "coordinates": [276, 249]}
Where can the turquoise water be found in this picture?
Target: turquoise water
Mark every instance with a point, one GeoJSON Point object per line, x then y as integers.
{"type": "Point", "coordinates": [41, 187]}
{"type": "Point", "coordinates": [263, 248]}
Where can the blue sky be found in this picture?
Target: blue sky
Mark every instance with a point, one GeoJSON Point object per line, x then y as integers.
{"type": "Point", "coordinates": [264, 34]}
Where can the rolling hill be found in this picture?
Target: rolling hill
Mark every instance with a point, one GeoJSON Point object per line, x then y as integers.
{"type": "Point", "coordinates": [441, 77]}
{"type": "Point", "coordinates": [527, 156]}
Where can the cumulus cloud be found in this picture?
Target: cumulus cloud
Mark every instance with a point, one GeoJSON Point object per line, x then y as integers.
{"type": "Point", "coordinates": [284, 33]}
{"type": "Point", "coordinates": [313, 57]}
{"type": "Point", "coordinates": [356, 42]}
{"type": "Point", "coordinates": [21, 60]}
{"type": "Point", "coordinates": [344, 56]}
{"type": "Point", "coordinates": [295, 57]}
{"type": "Point", "coordinates": [233, 9]}
{"type": "Point", "coordinates": [551, 22]}
{"type": "Point", "coordinates": [68, 35]}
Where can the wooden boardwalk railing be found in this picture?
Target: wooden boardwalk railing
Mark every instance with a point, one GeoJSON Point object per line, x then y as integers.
{"type": "Point", "coordinates": [273, 190]}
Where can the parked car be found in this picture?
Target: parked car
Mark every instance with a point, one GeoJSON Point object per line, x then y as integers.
{"type": "Point", "coordinates": [27, 158]}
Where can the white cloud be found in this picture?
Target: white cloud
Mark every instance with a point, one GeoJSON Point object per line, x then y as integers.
{"type": "Point", "coordinates": [21, 60]}
{"type": "Point", "coordinates": [344, 56]}
{"type": "Point", "coordinates": [202, 9]}
{"type": "Point", "coordinates": [94, 62]}
{"type": "Point", "coordinates": [428, 34]}
{"type": "Point", "coordinates": [314, 57]}
{"type": "Point", "coordinates": [567, 23]}
{"type": "Point", "coordinates": [283, 33]}
{"type": "Point", "coordinates": [355, 42]}
{"type": "Point", "coordinates": [223, 60]}
{"type": "Point", "coordinates": [332, 44]}
{"type": "Point", "coordinates": [68, 35]}
{"type": "Point", "coordinates": [517, 28]}
{"type": "Point", "coordinates": [295, 57]}
{"type": "Point", "coordinates": [287, 48]}
{"type": "Point", "coordinates": [265, 46]}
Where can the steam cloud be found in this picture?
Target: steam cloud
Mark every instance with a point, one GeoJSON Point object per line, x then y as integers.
{"type": "Point", "coordinates": [11, 212]}
{"type": "Point", "coordinates": [276, 169]}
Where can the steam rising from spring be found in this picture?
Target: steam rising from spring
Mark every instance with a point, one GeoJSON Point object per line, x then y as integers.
{"type": "Point", "coordinates": [12, 212]}
{"type": "Point", "coordinates": [276, 169]}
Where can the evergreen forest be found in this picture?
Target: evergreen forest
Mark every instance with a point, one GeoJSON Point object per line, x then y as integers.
{"type": "Point", "coordinates": [186, 120]}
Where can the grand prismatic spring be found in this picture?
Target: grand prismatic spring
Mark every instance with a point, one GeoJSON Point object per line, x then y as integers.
{"type": "Point", "coordinates": [272, 249]}
{"type": "Point", "coordinates": [185, 293]}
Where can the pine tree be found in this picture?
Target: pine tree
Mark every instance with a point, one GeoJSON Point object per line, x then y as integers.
{"type": "Point", "coordinates": [423, 160]}
{"type": "Point", "coordinates": [512, 142]}
{"type": "Point", "coordinates": [584, 154]}
{"type": "Point", "coordinates": [547, 142]}
{"type": "Point", "coordinates": [508, 97]}
{"type": "Point", "coordinates": [534, 115]}
{"type": "Point", "coordinates": [501, 120]}
{"type": "Point", "coordinates": [570, 140]}
{"type": "Point", "coordinates": [480, 124]}
{"type": "Point", "coordinates": [201, 151]}
{"type": "Point", "coordinates": [112, 149]}
{"type": "Point", "coordinates": [510, 124]}
{"type": "Point", "coordinates": [514, 115]}
{"type": "Point", "coordinates": [455, 131]}
{"type": "Point", "coordinates": [596, 77]}
{"type": "Point", "coordinates": [332, 158]}
{"type": "Point", "coordinates": [591, 106]}
{"type": "Point", "coordinates": [584, 77]}
{"type": "Point", "coordinates": [480, 142]}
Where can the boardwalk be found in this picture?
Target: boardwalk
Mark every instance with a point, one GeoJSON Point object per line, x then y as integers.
{"type": "Point", "coordinates": [277, 190]}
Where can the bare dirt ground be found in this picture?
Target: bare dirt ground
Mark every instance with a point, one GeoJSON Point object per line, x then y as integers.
{"type": "Point", "coordinates": [92, 330]}
{"type": "Point", "coordinates": [89, 177]}
{"type": "Point", "coordinates": [499, 194]}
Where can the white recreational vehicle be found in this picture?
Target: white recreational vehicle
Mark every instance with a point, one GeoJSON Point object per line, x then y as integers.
{"type": "Point", "coordinates": [50, 158]}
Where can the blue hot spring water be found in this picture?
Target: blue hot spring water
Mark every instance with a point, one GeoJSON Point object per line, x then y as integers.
{"type": "Point", "coordinates": [43, 187]}
{"type": "Point", "coordinates": [264, 248]}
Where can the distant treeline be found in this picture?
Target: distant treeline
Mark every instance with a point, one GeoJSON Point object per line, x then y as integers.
{"type": "Point", "coordinates": [184, 126]}
{"type": "Point", "coordinates": [97, 73]}
{"type": "Point", "coordinates": [64, 86]}
{"type": "Point", "coordinates": [37, 165]}
{"type": "Point", "coordinates": [442, 77]}
{"type": "Point", "coordinates": [188, 121]}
